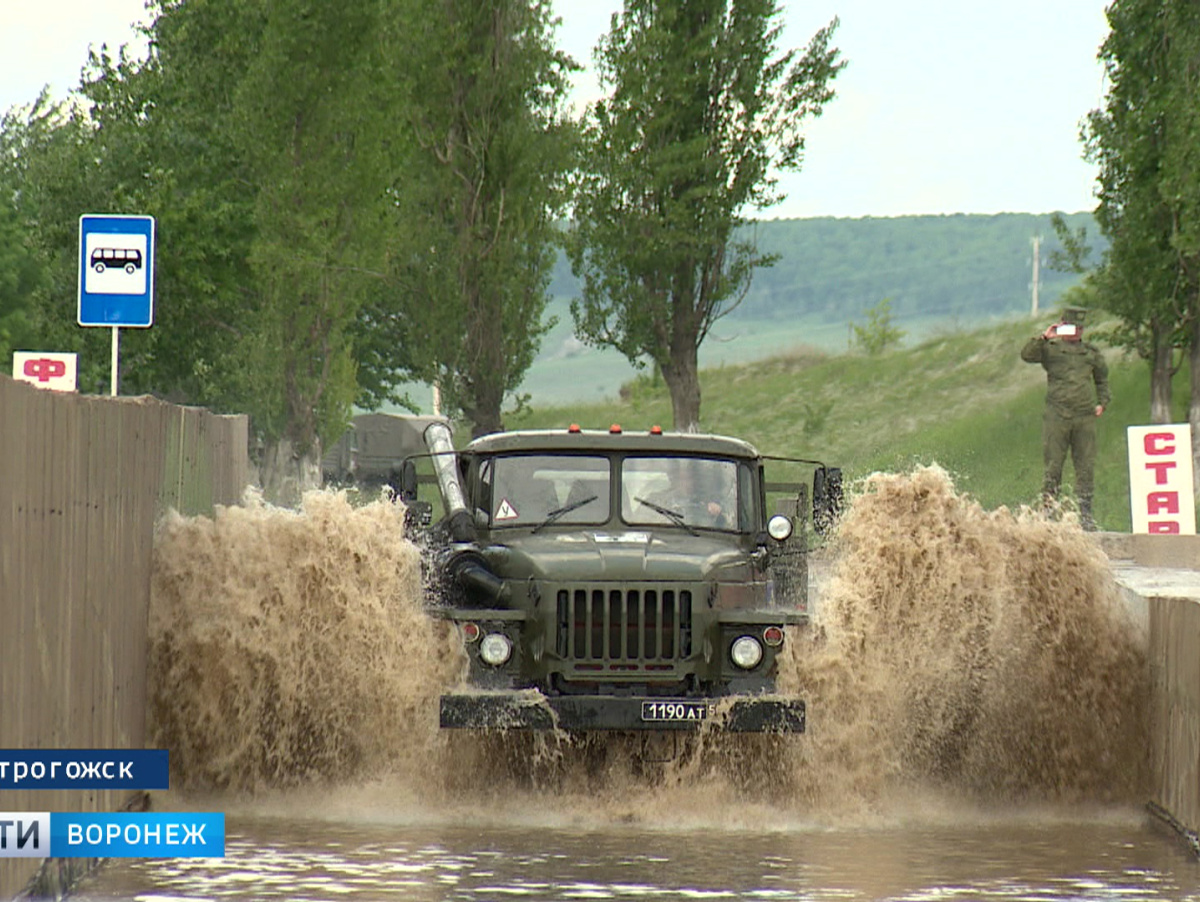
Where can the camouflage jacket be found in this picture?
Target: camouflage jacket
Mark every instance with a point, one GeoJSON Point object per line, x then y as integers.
{"type": "Point", "coordinates": [1076, 374]}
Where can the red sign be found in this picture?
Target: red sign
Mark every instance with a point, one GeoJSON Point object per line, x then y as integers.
{"type": "Point", "coordinates": [1160, 479]}
{"type": "Point", "coordinates": [45, 369]}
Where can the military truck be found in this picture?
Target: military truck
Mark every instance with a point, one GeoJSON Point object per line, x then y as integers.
{"type": "Point", "coordinates": [370, 452]}
{"type": "Point", "coordinates": [617, 580]}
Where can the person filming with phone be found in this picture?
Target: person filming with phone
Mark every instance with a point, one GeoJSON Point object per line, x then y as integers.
{"type": "Point", "coordinates": [1077, 394]}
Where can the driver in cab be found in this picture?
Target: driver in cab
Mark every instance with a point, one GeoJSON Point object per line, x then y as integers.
{"type": "Point", "coordinates": [689, 496]}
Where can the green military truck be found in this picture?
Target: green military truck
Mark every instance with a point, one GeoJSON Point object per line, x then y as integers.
{"type": "Point", "coordinates": [370, 452]}
{"type": "Point", "coordinates": [617, 580]}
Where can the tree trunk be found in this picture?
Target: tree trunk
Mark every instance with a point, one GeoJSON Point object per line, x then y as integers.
{"type": "Point", "coordinates": [285, 474]}
{"type": "Point", "coordinates": [485, 416]}
{"type": "Point", "coordinates": [485, 366]}
{"type": "Point", "coordinates": [1160, 375]}
{"type": "Point", "coordinates": [682, 376]}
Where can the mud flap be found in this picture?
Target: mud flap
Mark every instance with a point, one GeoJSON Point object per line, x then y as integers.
{"type": "Point", "coordinates": [526, 711]}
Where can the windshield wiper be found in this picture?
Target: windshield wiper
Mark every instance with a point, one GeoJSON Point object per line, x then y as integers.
{"type": "Point", "coordinates": [674, 516]}
{"type": "Point", "coordinates": [560, 512]}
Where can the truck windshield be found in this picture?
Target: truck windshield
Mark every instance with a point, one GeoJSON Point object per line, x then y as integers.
{"type": "Point", "coordinates": [528, 489]}
{"type": "Point", "coordinates": [692, 491]}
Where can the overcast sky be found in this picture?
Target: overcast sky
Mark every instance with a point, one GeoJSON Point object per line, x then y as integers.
{"type": "Point", "coordinates": [947, 106]}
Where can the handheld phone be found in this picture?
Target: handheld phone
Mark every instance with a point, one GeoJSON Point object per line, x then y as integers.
{"type": "Point", "coordinates": [1066, 330]}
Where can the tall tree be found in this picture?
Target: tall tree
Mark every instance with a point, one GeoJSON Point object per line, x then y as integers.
{"type": "Point", "coordinates": [1143, 278]}
{"type": "Point", "coordinates": [307, 120]}
{"type": "Point", "coordinates": [1180, 180]}
{"type": "Point", "coordinates": [701, 115]}
{"type": "Point", "coordinates": [480, 182]}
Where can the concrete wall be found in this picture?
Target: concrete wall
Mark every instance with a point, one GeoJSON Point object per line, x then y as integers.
{"type": "Point", "coordinates": [1175, 732]}
{"type": "Point", "coordinates": [82, 482]}
{"type": "Point", "coordinates": [1160, 576]}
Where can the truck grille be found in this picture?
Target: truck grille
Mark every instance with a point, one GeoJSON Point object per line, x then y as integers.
{"type": "Point", "coordinates": [624, 625]}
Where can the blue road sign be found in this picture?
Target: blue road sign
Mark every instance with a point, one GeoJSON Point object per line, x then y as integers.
{"type": "Point", "coordinates": [116, 270]}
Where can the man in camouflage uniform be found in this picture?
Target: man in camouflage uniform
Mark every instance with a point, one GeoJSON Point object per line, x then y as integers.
{"type": "Point", "coordinates": [1076, 394]}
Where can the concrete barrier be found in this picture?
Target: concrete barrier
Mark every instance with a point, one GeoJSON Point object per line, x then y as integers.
{"type": "Point", "coordinates": [82, 483]}
{"type": "Point", "coordinates": [1164, 571]}
{"type": "Point", "coordinates": [1175, 720]}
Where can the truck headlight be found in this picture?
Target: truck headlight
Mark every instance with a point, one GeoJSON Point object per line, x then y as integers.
{"type": "Point", "coordinates": [495, 649]}
{"type": "Point", "coordinates": [779, 528]}
{"type": "Point", "coordinates": [746, 652]}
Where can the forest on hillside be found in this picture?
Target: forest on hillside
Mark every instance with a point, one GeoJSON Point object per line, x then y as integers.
{"type": "Point", "coordinates": [951, 267]}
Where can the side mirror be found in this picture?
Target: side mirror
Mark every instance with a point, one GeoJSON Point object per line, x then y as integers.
{"type": "Point", "coordinates": [408, 481]}
{"type": "Point", "coordinates": [827, 497]}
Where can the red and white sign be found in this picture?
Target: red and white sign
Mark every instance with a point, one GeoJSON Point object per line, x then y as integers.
{"type": "Point", "coordinates": [1160, 479]}
{"type": "Point", "coordinates": [45, 369]}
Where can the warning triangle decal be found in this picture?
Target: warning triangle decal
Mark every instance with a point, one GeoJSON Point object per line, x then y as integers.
{"type": "Point", "coordinates": [506, 511]}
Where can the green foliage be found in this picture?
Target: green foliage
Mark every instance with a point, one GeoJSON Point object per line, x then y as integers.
{"type": "Point", "coordinates": [478, 188]}
{"type": "Point", "coordinates": [700, 115]}
{"type": "Point", "coordinates": [21, 273]}
{"type": "Point", "coordinates": [304, 118]}
{"type": "Point", "coordinates": [136, 143]}
{"type": "Point", "coordinates": [1143, 140]}
{"type": "Point", "coordinates": [878, 334]}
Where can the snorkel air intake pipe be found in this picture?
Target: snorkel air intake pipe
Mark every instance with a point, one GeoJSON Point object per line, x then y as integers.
{"type": "Point", "coordinates": [464, 566]}
{"type": "Point", "coordinates": [437, 440]}
{"type": "Point", "coordinates": [458, 517]}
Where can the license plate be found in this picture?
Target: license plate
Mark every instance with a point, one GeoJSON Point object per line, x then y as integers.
{"type": "Point", "coordinates": [674, 711]}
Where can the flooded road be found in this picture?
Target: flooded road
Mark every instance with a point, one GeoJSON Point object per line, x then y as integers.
{"type": "Point", "coordinates": [1100, 855]}
{"type": "Point", "coordinates": [976, 695]}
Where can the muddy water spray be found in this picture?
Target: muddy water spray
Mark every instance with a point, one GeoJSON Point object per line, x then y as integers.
{"type": "Point", "coordinates": [291, 646]}
{"type": "Point", "coordinates": [985, 653]}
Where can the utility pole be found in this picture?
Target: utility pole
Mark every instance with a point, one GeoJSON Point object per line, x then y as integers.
{"type": "Point", "coordinates": [1037, 259]}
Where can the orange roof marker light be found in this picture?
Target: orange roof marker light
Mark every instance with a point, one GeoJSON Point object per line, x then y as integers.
{"type": "Point", "coordinates": [574, 429]}
{"type": "Point", "coordinates": [615, 429]}
{"type": "Point", "coordinates": [656, 430]}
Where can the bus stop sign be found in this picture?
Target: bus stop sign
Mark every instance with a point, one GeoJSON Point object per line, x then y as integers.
{"type": "Point", "coordinates": [116, 270]}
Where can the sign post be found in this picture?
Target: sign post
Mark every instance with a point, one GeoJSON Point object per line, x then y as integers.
{"type": "Point", "coordinates": [116, 275]}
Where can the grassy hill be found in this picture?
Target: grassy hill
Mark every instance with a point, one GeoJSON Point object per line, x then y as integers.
{"type": "Point", "coordinates": [961, 399]}
{"type": "Point", "coordinates": [937, 272]}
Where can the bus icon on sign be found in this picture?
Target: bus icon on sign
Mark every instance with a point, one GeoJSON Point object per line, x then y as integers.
{"type": "Point", "coordinates": [126, 258]}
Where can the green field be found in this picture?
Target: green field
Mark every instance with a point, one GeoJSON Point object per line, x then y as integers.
{"type": "Point", "coordinates": [593, 375]}
{"type": "Point", "coordinates": [961, 399]}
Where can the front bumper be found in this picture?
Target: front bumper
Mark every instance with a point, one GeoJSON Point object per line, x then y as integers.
{"type": "Point", "coordinates": [533, 711]}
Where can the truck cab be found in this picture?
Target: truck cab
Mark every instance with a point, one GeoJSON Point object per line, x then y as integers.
{"type": "Point", "coordinates": [617, 581]}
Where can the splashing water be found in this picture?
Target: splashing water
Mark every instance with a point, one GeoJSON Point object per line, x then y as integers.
{"type": "Point", "coordinates": [984, 654]}
{"type": "Point", "coordinates": [290, 646]}
{"type": "Point", "coordinates": [988, 652]}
